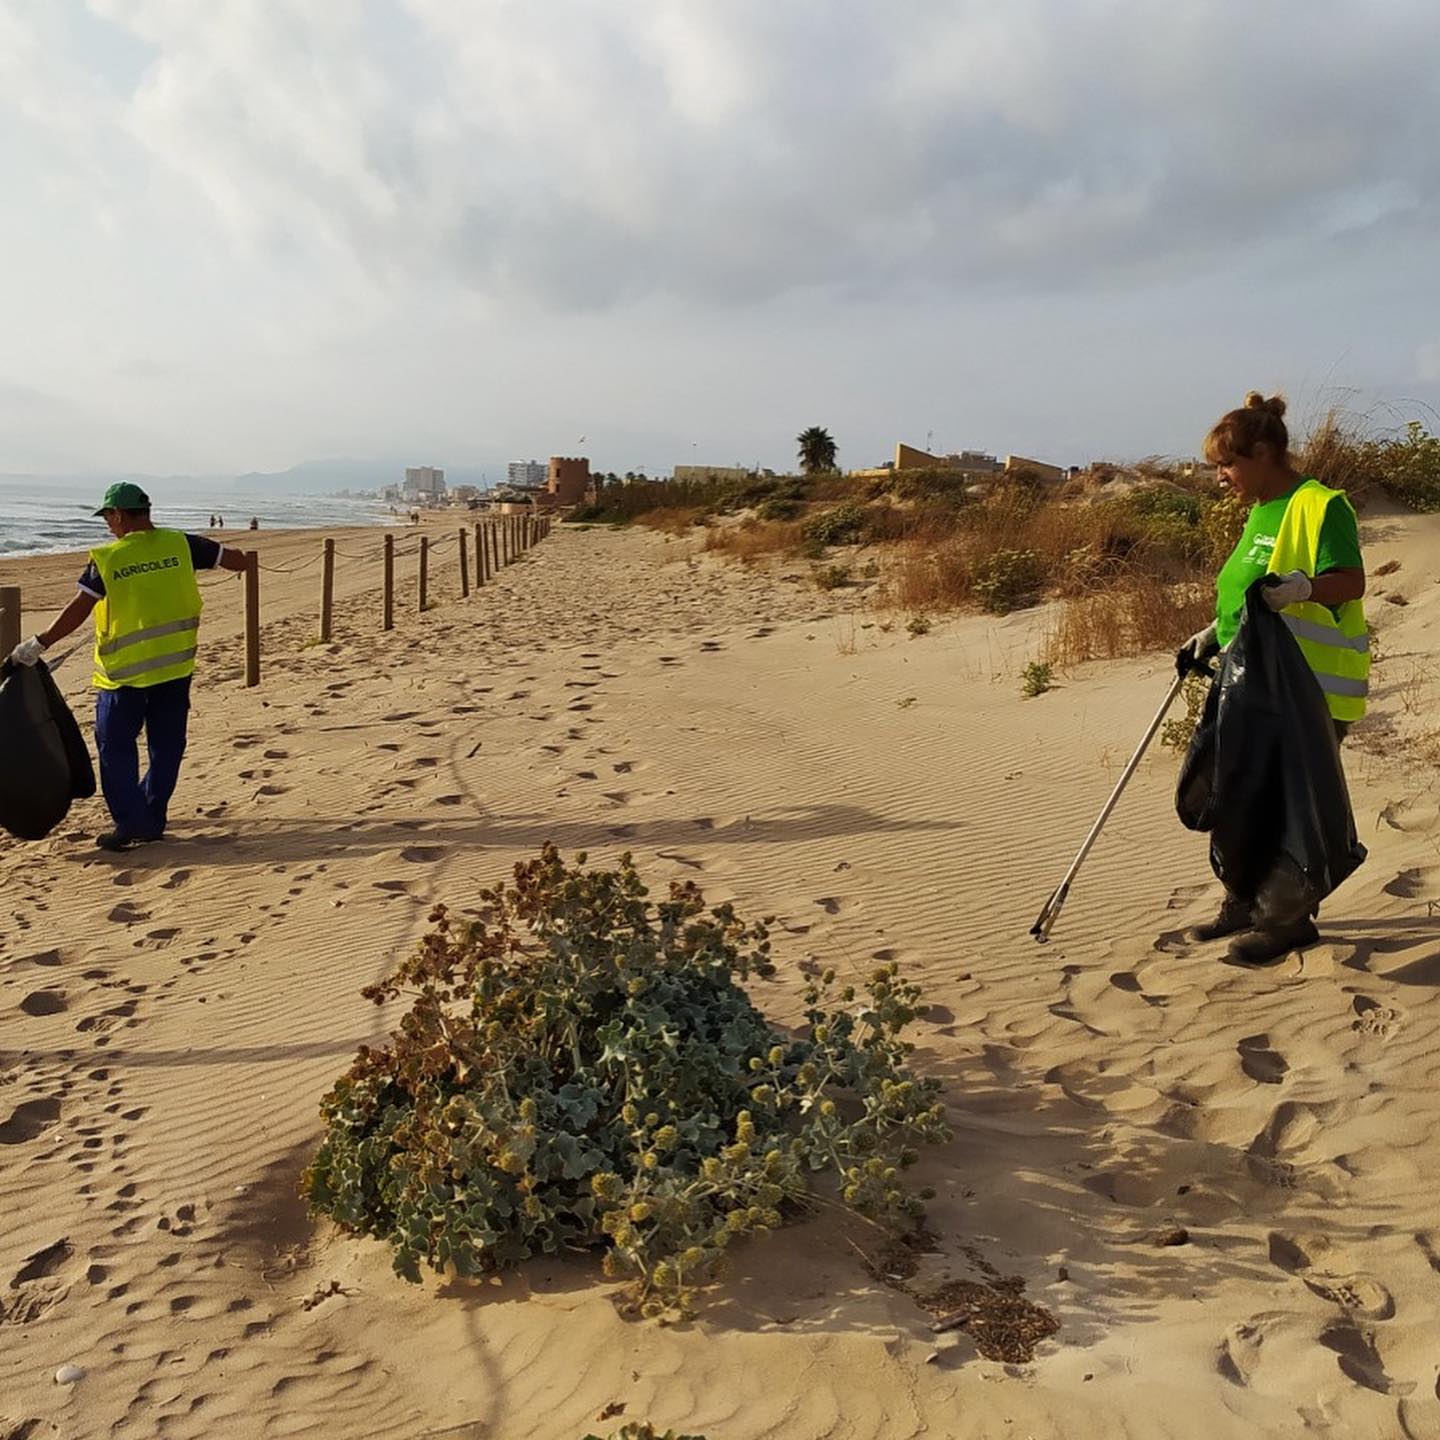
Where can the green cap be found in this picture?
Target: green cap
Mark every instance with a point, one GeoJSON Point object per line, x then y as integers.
{"type": "Point", "coordinates": [124, 496]}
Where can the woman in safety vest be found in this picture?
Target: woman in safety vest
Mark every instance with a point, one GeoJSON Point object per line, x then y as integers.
{"type": "Point", "coordinates": [1305, 536]}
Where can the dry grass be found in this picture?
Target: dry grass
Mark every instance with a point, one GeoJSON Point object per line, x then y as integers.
{"type": "Point", "coordinates": [752, 540]}
{"type": "Point", "coordinates": [676, 520]}
{"type": "Point", "coordinates": [1130, 615]}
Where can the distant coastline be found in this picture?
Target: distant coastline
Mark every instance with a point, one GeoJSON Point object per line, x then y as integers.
{"type": "Point", "coordinates": [48, 517]}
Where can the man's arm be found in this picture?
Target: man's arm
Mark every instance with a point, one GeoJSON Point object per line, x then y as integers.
{"type": "Point", "coordinates": [69, 620]}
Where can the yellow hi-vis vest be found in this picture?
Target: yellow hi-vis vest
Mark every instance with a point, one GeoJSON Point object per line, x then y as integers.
{"type": "Point", "coordinates": [146, 626]}
{"type": "Point", "coordinates": [1337, 647]}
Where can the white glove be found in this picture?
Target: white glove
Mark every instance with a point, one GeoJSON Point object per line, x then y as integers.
{"type": "Point", "coordinates": [1283, 590]}
{"type": "Point", "coordinates": [27, 652]}
{"type": "Point", "coordinates": [1200, 647]}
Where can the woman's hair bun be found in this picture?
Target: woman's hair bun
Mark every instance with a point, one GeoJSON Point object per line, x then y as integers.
{"type": "Point", "coordinates": [1275, 405]}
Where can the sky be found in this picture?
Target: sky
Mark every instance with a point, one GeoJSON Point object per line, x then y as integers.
{"type": "Point", "coordinates": [242, 234]}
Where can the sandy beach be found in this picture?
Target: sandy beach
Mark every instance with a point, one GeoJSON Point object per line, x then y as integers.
{"type": "Point", "coordinates": [1214, 1179]}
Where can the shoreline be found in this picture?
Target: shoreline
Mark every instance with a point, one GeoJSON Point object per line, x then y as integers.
{"type": "Point", "coordinates": [47, 581]}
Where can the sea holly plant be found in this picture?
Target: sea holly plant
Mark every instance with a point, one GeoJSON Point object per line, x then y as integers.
{"type": "Point", "coordinates": [583, 1068]}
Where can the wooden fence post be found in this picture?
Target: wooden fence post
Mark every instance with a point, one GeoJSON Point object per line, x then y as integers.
{"type": "Point", "coordinates": [495, 545]}
{"type": "Point", "coordinates": [424, 570]}
{"type": "Point", "coordinates": [388, 622]}
{"type": "Point", "coordinates": [479, 556]}
{"type": "Point", "coordinates": [252, 619]}
{"type": "Point", "coordinates": [327, 591]}
{"type": "Point", "coordinates": [503, 538]}
{"type": "Point", "coordinates": [9, 619]}
{"type": "Point", "coordinates": [464, 566]}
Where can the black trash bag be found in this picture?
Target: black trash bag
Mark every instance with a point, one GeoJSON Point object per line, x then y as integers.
{"type": "Point", "coordinates": [44, 762]}
{"type": "Point", "coordinates": [1263, 775]}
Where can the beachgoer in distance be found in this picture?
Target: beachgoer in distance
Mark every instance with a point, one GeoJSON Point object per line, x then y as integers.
{"type": "Point", "coordinates": [1305, 535]}
{"type": "Point", "coordinates": [142, 591]}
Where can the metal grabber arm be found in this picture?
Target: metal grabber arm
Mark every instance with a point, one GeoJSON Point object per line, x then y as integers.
{"type": "Point", "coordinates": [1050, 913]}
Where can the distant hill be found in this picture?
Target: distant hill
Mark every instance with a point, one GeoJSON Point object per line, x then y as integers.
{"type": "Point", "coordinates": [323, 477]}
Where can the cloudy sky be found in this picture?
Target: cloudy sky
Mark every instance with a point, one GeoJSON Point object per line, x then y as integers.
{"type": "Point", "coordinates": [239, 234]}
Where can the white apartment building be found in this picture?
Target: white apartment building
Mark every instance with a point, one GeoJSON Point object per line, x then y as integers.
{"type": "Point", "coordinates": [424, 483]}
{"type": "Point", "coordinates": [526, 472]}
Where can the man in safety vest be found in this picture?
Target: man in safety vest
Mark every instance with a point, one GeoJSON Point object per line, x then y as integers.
{"type": "Point", "coordinates": [1304, 536]}
{"type": "Point", "coordinates": [142, 591]}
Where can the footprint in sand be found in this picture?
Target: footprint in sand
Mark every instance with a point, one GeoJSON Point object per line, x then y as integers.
{"type": "Point", "coordinates": [1240, 1349]}
{"type": "Point", "coordinates": [29, 1119]}
{"type": "Point", "coordinates": [681, 859]}
{"type": "Point", "coordinates": [46, 958]}
{"type": "Point", "coordinates": [1374, 1019]}
{"type": "Point", "coordinates": [1259, 1062]}
{"type": "Point", "coordinates": [1290, 1128]}
{"type": "Point", "coordinates": [44, 1002]}
{"type": "Point", "coordinates": [418, 854]}
{"type": "Point", "coordinates": [1359, 1360]}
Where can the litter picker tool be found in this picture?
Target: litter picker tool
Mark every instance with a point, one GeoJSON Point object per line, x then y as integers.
{"type": "Point", "coordinates": [1051, 911]}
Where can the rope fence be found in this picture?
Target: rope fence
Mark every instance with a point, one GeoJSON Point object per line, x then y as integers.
{"type": "Point", "coordinates": [482, 550]}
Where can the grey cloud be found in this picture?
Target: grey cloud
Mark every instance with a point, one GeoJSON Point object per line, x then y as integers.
{"type": "Point", "coordinates": [735, 150]}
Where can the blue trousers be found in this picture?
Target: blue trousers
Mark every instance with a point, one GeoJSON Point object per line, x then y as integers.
{"type": "Point", "coordinates": [140, 807]}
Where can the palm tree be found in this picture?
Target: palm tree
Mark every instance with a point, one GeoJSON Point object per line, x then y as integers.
{"type": "Point", "coordinates": [817, 451]}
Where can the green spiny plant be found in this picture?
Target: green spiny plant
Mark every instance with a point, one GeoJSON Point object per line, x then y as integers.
{"type": "Point", "coordinates": [842, 525]}
{"type": "Point", "coordinates": [832, 577]}
{"type": "Point", "coordinates": [1008, 579]}
{"type": "Point", "coordinates": [581, 1067]}
{"type": "Point", "coordinates": [1176, 734]}
{"type": "Point", "coordinates": [1035, 679]}
{"type": "Point", "coordinates": [917, 625]}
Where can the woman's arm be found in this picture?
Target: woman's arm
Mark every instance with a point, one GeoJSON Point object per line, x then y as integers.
{"type": "Point", "coordinates": [1335, 587]}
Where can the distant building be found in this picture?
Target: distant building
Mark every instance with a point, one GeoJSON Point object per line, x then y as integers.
{"type": "Point", "coordinates": [1037, 468]}
{"type": "Point", "coordinates": [971, 464]}
{"type": "Point", "coordinates": [424, 484]}
{"type": "Point", "coordinates": [525, 472]}
{"type": "Point", "coordinates": [464, 494]}
{"type": "Point", "coordinates": [566, 481]}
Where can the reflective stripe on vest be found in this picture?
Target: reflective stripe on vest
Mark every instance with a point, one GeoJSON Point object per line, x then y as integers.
{"type": "Point", "coordinates": [1336, 646]}
{"type": "Point", "coordinates": [154, 632]}
{"type": "Point", "coordinates": [146, 625]}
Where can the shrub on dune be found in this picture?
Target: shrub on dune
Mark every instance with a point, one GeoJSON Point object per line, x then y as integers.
{"type": "Point", "coordinates": [581, 1067]}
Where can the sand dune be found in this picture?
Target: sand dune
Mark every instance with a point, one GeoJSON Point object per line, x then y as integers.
{"type": "Point", "coordinates": [1218, 1181]}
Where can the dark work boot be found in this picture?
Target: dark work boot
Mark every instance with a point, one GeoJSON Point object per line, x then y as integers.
{"type": "Point", "coordinates": [1234, 917]}
{"type": "Point", "coordinates": [1265, 947]}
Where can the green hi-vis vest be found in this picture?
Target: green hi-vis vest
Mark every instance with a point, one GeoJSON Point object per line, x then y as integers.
{"type": "Point", "coordinates": [1337, 647]}
{"type": "Point", "coordinates": [147, 624]}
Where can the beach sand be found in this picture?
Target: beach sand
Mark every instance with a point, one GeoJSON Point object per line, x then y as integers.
{"type": "Point", "coordinates": [170, 1017]}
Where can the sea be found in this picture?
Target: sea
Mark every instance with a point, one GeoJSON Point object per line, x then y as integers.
{"type": "Point", "coordinates": [43, 516]}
